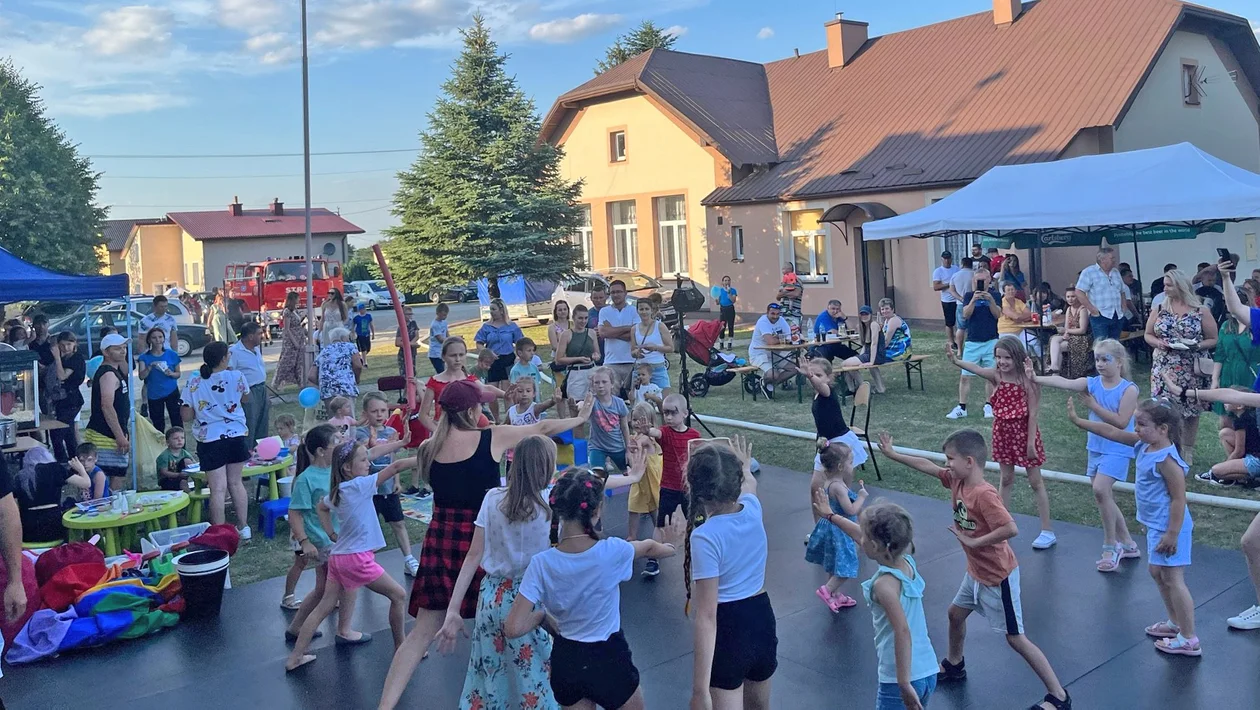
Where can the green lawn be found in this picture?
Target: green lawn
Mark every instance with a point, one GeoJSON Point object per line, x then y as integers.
{"type": "Point", "coordinates": [914, 418]}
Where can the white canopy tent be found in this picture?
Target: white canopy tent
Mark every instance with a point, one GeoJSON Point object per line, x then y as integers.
{"type": "Point", "coordinates": [1172, 186]}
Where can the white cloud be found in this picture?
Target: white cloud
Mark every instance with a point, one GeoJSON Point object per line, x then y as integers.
{"type": "Point", "coordinates": [360, 24]}
{"type": "Point", "coordinates": [765, 33]}
{"type": "Point", "coordinates": [137, 29]}
{"type": "Point", "coordinates": [255, 16]}
{"type": "Point", "coordinates": [99, 105]}
{"type": "Point", "coordinates": [571, 29]}
{"type": "Point", "coordinates": [676, 30]}
{"type": "Point", "coordinates": [274, 47]}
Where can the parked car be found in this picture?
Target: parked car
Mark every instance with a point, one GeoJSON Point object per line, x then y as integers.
{"type": "Point", "coordinates": [191, 336]}
{"type": "Point", "coordinates": [52, 309]}
{"type": "Point", "coordinates": [638, 285]}
{"type": "Point", "coordinates": [373, 293]}
{"type": "Point", "coordinates": [451, 294]}
{"type": "Point", "coordinates": [144, 306]}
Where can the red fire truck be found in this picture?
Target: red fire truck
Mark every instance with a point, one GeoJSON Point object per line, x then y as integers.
{"type": "Point", "coordinates": [271, 280]}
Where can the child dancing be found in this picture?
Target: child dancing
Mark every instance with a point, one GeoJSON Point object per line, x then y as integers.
{"type": "Point", "coordinates": [907, 662]}
{"type": "Point", "coordinates": [736, 644]}
{"type": "Point", "coordinates": [1016, 437]}
{"type": "Point", "coordinates": [384, 442]}
{"type": "Point", "coordinates": [991, 584]}
{"type": "Point", "coordinates": [1110, 398]}
{"type": "Point", "coordinates": [352, 558]}
{"type": "Point", "coordinates": [828, 547]}
{"type": "Point", "coordinates": [575, 587]}
{"type": "Point", "coordinates": [645, 496]}
{"type": "Point", "coordinates": [675, 439]}
{"type": "Point", "coordinates": [1160, 490]}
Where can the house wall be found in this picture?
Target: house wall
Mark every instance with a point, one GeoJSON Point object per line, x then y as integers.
{"type": "Point", "coordinates": [1223, 124]}
{"type": "Point", "coordinates": [663, 158]}
{"type": "Point", "coordinates": [111, 261]}
{"type": "Point", "coordinates": [160, 256]}
{"type": "Point", "coordinates": [218, 253]}
{"type": "Point", "coordinates": [194, 263]}
{"type": "Point", "coordinates": [909, 262]}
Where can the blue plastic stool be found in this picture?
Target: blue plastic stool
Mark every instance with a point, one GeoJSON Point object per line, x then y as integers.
{"type": "Point", "coordinates": [580, 457]}
{"type": "Point", "coordinates": [564, 437]}
{"type": "Point", "coordinates": [269, 512]}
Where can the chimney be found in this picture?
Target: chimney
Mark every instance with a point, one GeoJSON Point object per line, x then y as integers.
{"type": "Point", "coordinates": [844, 39]}
{"type": "Point", "coordinates": [1005, 11]}
{"type": "Point", "coordinates": [277, 207]}
{"type": "Point", "coordinates": [234, 209]}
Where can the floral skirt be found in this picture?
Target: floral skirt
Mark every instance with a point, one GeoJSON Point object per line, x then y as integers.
{"type": "Point", "coordinates": [505, 673]}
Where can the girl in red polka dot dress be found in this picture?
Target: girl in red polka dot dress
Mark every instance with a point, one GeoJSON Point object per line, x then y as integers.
{"type": "Point", "coordinates": [1016, 438]}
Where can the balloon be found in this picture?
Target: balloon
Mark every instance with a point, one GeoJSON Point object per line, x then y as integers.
{"type": "Point", "coordinates": [269, 448]}
{"type": "Point", "coordinates": [309, 398]}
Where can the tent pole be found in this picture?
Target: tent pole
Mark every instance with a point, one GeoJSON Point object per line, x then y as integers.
{"type": "Point", "coordinates": [131, 399]}
{"type": "Point", "coordinates": [1139, 309]}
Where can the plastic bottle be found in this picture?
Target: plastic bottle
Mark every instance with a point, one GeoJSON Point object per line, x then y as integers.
{"type": "Point", "coordinates": [1045, 313]}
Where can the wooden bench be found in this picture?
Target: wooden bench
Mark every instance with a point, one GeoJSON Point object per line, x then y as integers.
{"type": "Point", "coordinates": [914, 363]}
{"type": "Point", "coordinates": [749, 380]}
{"type": "Point", "coordinates": [1135, 342]}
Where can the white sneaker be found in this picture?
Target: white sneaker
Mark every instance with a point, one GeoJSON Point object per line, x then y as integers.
{"type": "Point", "coordinates": [1045, 540]}
{"type": "Point", "coordinates": [411, 565]}
{"type": "Point", "coordinates": [988, 411]}
{"type": "Point", "coordinates": [1247, 621]}
{"type": "Point", "coordinates": [957, 412]}
{"type": "Point", "coordinates": [245, 533]}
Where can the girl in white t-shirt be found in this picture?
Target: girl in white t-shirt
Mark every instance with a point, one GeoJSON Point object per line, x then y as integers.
{"type": "Point", "coordinates": [736, 643]}
{"type": "Point", "coordinates": [352, 558]}
{"type": "Point", "coordinates": [513, 525]}
{"type": "Point", "coordinates": [575, 587]}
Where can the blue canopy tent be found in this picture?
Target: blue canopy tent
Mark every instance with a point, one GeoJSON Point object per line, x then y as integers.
{"type": "Point", "coordinates": [24, 281]}
{"type": "Point", "coordinates": [524, 298]}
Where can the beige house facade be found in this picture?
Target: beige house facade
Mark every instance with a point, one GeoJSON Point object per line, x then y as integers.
{"type": "Point", "coordinates": [788, 160]}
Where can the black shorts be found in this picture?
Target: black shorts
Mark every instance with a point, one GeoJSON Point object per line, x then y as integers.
{"type": "Point", "coordinates": [746, 644]}
{"type": "Point", "coordinates": [364, 342]}
{"type": "Point", "coordinates": [388, 507]}
{"type": "Point", "coordinates": [501, 369]}
{"type": "Point", "coordinates": [601, 671]}
{"type": "Point", "coordinates": [951, 313]}
{"type": "Point", "coordinates": [671, 500]}
{"type": "Point", "coordinates": [217, 454]}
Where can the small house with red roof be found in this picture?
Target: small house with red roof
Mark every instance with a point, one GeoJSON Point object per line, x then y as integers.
{"type": "Point", "coordinates": [190, 250]}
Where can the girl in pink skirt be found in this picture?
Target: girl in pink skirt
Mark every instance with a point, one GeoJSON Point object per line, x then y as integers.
{"type": "Point", "coordinates": [352, 558]}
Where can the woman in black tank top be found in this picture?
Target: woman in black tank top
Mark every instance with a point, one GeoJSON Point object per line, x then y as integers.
{"type": "Point", "coordinates": [458, 490]}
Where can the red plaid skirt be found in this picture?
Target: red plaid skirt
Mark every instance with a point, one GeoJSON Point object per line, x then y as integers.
{"type": "Point", "coordinates": [446, 543]}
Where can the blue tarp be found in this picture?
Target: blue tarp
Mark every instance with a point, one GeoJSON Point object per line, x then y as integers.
{"type": "Point", "coordinates": [24, 281]}
{"type": "Point", "coordinates": [516, 291]}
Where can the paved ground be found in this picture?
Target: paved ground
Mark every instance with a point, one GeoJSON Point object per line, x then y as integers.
{"type": "Point", "coordinates": [1089, 625]}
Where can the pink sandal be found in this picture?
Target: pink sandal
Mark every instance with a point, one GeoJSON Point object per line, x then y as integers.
{"type": "Point", "coordinates": [1130, 553]}
{"type": "Point", "coordinates": [832, 603]}
{"type": "Point", "coordinates": [1110, 561]}
{"type": "Point", "coordinates": [1163, 630]}
{"type": "Point", "coordinates": [1179, 646]}
{"type": "Point", "coordinates": [845, 601]}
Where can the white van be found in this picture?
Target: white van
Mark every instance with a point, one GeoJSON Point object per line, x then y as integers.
{"type": "Point", "coordinates": [373, 293]}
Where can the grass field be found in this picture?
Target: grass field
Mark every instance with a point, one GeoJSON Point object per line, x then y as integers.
{"type": "Point", "coordinates": [914, 418]}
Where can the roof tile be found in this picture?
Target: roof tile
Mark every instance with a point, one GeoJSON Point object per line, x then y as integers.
{"type": "Point", "coordinates": [221, 224]}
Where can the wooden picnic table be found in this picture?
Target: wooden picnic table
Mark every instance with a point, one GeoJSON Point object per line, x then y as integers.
{"type": "Point", "coordinates": [788, 355]}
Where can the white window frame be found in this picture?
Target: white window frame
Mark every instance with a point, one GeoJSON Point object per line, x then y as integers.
{"type": "Point", "coordinates": [584, 238]}
{"type": "Point", "coordinates": [617, 147]}
{"type": "Point", "coordinates": [679, 253]}
{"type": "Point", "coordinates": [625, 236]}
{"type": "Point", "coordinates": [814, 275]}
{"type": "Point", "coordinates": [737, 243]}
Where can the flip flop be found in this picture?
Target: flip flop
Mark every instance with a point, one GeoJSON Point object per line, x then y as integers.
{"type": "Point", "coordinates": [364, 637]}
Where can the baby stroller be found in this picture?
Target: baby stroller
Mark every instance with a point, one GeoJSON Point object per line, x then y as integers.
{"type": "Point", "coordinates": [698, 345]}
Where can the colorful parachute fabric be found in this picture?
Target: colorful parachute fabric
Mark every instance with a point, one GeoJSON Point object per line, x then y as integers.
{"type": "Point", "coordinates": [112, 607]}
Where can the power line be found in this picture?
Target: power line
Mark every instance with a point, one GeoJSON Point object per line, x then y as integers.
{"type": "Point", "coordinates": [241, 177]}
{"type": "Point", "coordinates": [340, 202]}
{"type": "Point", "coordinates": [249, 155]}
{"type": "Point", "coordinates": [374, 209]}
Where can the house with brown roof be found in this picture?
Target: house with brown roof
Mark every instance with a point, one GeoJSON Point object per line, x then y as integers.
{"type": "Point", "coordinates": [802, 151]}
{"type": "Point", "coordinates": [191, 250]}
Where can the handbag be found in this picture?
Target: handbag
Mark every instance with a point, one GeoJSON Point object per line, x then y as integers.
{"type": "Point", "coordinates": [1204, 365]}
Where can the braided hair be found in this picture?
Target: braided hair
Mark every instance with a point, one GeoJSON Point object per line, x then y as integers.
{"type": "Point", "coordinates": [577, 496]}
{"type": "Point", "coordinates": [715, 476]}
{"type": "Point", "coordinates": [889, 525]}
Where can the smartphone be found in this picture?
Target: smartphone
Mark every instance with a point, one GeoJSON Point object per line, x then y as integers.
{"type": "Point", "coordinates": [1224, 254]}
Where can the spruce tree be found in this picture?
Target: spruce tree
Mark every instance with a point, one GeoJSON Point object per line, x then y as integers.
{"type": "Point", "coordinates": [48, 214]}
{"type": "Point", "coordinates": [485, 198]}
{"type": "Point", "coordinates": [635, 42]}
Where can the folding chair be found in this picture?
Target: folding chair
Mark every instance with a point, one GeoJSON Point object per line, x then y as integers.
{"type": "Point", "coordinates": [393, 383]}
{"type": "Point", "coordinates": [862, 398]}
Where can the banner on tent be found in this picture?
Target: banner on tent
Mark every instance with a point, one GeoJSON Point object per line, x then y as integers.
{"type": "Point", "coordinates": [1153, 233]}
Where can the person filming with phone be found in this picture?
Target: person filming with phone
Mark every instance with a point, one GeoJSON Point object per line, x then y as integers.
{"type": "Point", "coordinates": [981, 308]}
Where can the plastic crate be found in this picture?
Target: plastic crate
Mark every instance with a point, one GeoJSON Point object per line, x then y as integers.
{"type": "Point", "coordinates": [163, 540]}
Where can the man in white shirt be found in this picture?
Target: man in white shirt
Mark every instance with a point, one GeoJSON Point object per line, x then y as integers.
{"type": "Point", "coordinates": [245, 356]}
{"type": "Point", "coordinates": [160, 318]}
{"type": "Point", "coordinates": [959, 284]}
{"type": "Point", "coordinates": [616, 321]}
{"type": "Point", "coordinates": [771, 329]}
{"type": "Point", "coordinates": [941, 280]}
{"type": "Point", "coordinates": [1101, 291]}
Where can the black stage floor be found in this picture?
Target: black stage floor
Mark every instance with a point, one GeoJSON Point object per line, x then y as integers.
{"type": "Point", "coordinates": [1089, 625]}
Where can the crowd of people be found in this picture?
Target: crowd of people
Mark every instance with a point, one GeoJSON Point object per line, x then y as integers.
{"type": "Point", "coordinates": [521, 553]}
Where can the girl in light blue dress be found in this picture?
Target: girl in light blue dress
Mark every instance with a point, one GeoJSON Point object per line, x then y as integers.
{"type": "Point", "coordinates": [829, 546]}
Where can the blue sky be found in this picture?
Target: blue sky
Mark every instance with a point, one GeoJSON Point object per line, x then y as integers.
{"type": "Point", "coordinates": [180, 77]}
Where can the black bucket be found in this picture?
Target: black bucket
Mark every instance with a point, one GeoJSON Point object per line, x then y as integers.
{"type": "Point", "coordinates": [201, 577]}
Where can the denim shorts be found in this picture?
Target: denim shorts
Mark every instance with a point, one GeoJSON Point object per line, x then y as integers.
{"type": "Point", "coordinates": [599, 459]}
{"type": "Point", "coordinates": [889, 696]}
{"type": "Point", "coordinates": [660, 376]}
{"type": "Point", "coordinates": [1110, 465]}
{"type": "Point", "coordinates": [1253, 466]}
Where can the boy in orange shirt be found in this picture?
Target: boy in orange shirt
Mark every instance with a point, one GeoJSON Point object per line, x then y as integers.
{"type": "Point", "coordinates": [991, 584]}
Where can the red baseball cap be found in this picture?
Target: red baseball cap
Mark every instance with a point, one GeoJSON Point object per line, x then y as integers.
{"type": "Point", "coordinates": [464, 394]}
